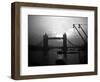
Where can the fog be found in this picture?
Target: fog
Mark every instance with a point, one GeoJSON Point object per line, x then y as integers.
{"type": "Point", "coordinates": [55, 26]}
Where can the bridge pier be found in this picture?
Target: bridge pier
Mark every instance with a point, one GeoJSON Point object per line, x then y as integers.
{"type": "Point", "coordinates": [64, 49]}
{"type": "Point", "coordinates": [65, 46]}
{"type": "Point", "coordinates": [45, 49]}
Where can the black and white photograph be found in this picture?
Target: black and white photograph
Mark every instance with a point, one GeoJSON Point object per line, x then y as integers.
{"type": "Point", "coordinates": [57, 40]}
{"type": "Point", "coordinates": [53, 40]}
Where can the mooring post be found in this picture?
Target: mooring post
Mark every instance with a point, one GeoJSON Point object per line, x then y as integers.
{"type": "Point", "coordinates": [45, 48]}
{"type": "Point", "coordinates": [65, 46]}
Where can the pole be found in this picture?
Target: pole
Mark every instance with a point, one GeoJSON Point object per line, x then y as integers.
{"type": "Point", "coordinates": [65, 46]}
{"type": "Point", "coordinates": [82, 30]}
{"type": "Point", "coordinates": [45, 49]}
{"type": "Point", "coordinates": [79, 33]}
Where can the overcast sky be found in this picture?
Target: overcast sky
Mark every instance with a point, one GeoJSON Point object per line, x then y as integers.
{"type": "Point", "coordinates": [54, 26]}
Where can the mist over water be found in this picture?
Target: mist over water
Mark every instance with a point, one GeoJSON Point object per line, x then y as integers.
{"type": "Point", "coordinates": [55, 26]}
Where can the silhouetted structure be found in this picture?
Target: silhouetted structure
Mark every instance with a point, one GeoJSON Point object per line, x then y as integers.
{"type": "Point", "coordinates": [64, 49]}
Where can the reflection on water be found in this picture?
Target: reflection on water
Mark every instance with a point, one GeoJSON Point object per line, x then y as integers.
{"type": "Point", "coordinates": [37, 58]}
{"type": "Point", "coordinates": [56, 52]}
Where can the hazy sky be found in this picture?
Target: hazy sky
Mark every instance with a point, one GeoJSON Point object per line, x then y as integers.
{"type": "Point", "coordinates": [54, 26]}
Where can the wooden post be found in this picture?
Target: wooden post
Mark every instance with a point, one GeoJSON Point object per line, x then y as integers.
{"type": "Point", "coordinates": [80, 57]}
{"type": "Point", "coordinates": [65, 46]}
{"type": "Point", "coordinates": [45, 49]}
